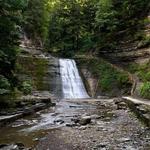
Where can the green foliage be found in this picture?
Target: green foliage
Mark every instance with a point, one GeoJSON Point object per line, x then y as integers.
{"type": "Point", "coordinates": [72, 26]}
{"type": "Point", "coordinates": [145, 42]}
{"type": "Point", "coordinates": [36, 17]}
{"type": "Point", "coordinates": [145, 90]}
{"type": "Point", "coordinates": [93, 25]}
{"type": "Point", "coordinates": [11, 18]}
{"type": "Point", "coordinates": [106, 16]}
{"type": "Point", "coordinates": [10, 26]}
{"type": "Point", "coordinates": [147, 76]}
{"type": "Point", "coordinates": [142, 71]}
{"type": "Point", "coordinates": [7, 99]}
{"type": "Point", "coordinates": [90, 25]}
{"type": "Point", "coordinates": [114, 16]}
{"type": "Point", "coordinates": [26, 87]}
{"type": "Point", "coordinates": [68, 27]}
{"type": "Point", "coordinates": [34, 70]}
{"type": "Point", "coordinates": [110, 78]}
{"type": "Point", "coordinates": [4, 85]}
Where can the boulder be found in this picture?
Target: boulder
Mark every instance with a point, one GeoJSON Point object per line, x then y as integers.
{"type": "Point", "coordinates": [75, 120]}
{"type": "Point", "coordinates": [70, 125]}
{"type": "Point", "coordinates": [85, 120]}
{"type": "Point", "coordinates": [58, 121]}
{"type": "Point", "coordinates": [121, 105]}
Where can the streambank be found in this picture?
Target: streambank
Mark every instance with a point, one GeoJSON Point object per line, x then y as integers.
{"type": "Point", "coordinates": [89, 124]}
{"type": "Point", "coordinates": [112, 126]}
{"type": "Point", "coordinates": [76, 123]}
{"type": "Point", "coordinates": [26, 106]}
{"type": "Point", "coordinates": [140, 107]}
{"type": "Point", "coordinates": [39, 72]}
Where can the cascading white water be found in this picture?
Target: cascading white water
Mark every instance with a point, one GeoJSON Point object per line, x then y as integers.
{"type": "Point", "coordinates": [72, 84]}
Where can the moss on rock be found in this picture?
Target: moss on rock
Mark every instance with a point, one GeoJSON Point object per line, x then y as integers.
{"type": "Point", "coordinates": [111, 81]}
{"type": "Point", "coordinates": [33, 70]}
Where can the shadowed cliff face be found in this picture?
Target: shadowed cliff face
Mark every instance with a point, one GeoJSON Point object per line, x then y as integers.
{"type": "Point", "coordinates": [43, 73]}
{"type": "Point", "coordinates": [58, 76]}
{"type": "Point", "coordinates": [102, 78]}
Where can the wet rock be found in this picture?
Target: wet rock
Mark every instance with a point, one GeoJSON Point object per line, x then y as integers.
{"type": "Point", "coordinates": [95, 116]}
{"type": "Point", "coordinates": [142, 109]}
{"type": "Point", "coordinates": [25, 111]}
{"type": "Point", "coordinates": [102, 97]}
{"type": "Point", "coordinates": [85, 120]}
{"type": "Point", "coordinates": [21, 146]}
{"type": "Point", "coordinates": [58, 121]}
{"type": "Point", "coordinates": [2, 113]}
{"type": "Point", "coordinates": [124, 139]}
{"type": "Point", "coordinates": [46, 100]}
{"type": "Point", "coordinates": [118, 100]}
{"type": "Point", "coordinates": [73, 106]}
{"type": "Point", "coordinates": [82, 128]}
{"type": "Point", "coordinates": [9, 147]}
{"type": "Point", "coordinates": [3, 145]}
{"type": "Point", "coordinates": [101, 146]}
{"type": "Point", "coordinates": [129, 147]}
{"type": "Point", "coordinates": [75, 120]}
{"type": "Point", "coordinates": [16, 146]}
{"type": "Point", "coordinates": [7, 119]}
{"type": "Point", "coordinates": [20, 104]}
{"type": "Point", "coordinates": [121, 105]}
{"type": "Point", "coordinates": [70, 125]}
{"type": "Point", "coordinates": [36, 139]}
{"type": "Point", "coordinates": [23, 122]}
{"type": "Point", "coordinates": [101, 129]}
{"type": "Point", "coordinates": [147, 116]}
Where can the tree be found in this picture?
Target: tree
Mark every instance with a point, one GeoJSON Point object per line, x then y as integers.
{"type": "Point", "coordinates": [36, 19]}
{"type": "Point", "coordinates": [115, 16]}
{"type": "Point", "coordinates": [10, 23]}
{"type": "Point", "coordinates": [72, 25]}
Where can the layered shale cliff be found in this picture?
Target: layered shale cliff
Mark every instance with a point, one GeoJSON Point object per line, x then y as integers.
{"type": "Point", "coordinates": [39, 69]}
{"type": "Point", "coordinates": [129, 47]}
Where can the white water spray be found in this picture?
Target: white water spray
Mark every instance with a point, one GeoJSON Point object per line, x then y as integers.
{"type": "Point", "coordinates": [72, 84]}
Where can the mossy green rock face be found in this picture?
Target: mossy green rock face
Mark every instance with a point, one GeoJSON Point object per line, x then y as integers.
{"type": "Point", "coordinates": [42, 73]}
{"type": "Point", "coordinates": [103, 78]}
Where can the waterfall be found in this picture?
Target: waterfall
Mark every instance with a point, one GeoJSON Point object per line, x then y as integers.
{"type": "Point", "coordinates": [72, 84]}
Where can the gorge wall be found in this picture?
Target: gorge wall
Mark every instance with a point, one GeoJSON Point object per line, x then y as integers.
{"type": "Point", "coordinates": [129, 49]}
{"type": "Point", "coordinates": [43, 72]}
{"type": "Point", "coordinates": [46, 73]}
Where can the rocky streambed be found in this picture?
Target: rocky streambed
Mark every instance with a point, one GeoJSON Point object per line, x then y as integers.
{"type": "Point", "coordinates": [88, 124]}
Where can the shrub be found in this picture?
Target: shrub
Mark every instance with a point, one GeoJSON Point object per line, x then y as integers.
{"type": "Point", "coordinates": [26, 87]}
{"type": "Point", "coordinates": [110, 78]}
{"type": "Point", "coordinates": [144, 43]}
{"type": "Point", "coordinates": [147, 76]}
{"type": "Point", "coordinates": [145, 90]}
{"type": "Point", "coordinates": [4, 85]}
{"type": "Point", "coordinates": [123, 79]}
{"type": "Point", "coordinates": [106, 82]}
